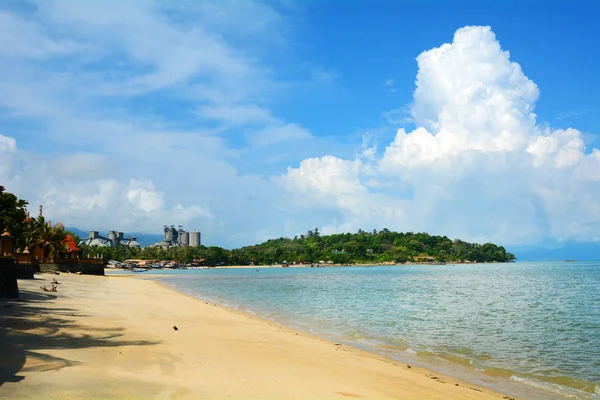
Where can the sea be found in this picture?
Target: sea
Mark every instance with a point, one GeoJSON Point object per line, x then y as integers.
{"type": "Point", "coordinates": [526, 329]}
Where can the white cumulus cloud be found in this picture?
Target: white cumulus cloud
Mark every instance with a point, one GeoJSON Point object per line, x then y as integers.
{"type": "Point", "coordinates": [143, 196]}
{"type": "Point", "coordinates": [478, 166]}
{"type": "Point", "coordinates": [163, 115]}
{"type": "Point", "coordinates": [7, 144]}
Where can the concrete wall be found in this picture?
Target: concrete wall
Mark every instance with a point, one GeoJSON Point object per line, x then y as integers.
{"type": "Point", "coordinates": [84, 268]}
{"type": "Point", "coordinates": [8, 278]}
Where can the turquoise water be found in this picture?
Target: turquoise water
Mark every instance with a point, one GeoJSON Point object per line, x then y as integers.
{"type": "Point", "coordinates": [528, 323]}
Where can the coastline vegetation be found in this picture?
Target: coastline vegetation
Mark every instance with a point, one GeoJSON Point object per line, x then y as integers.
{"type": "Point", "coordinates": [35, 235]}
{"type": "Point", "coordinates": [363, 247]}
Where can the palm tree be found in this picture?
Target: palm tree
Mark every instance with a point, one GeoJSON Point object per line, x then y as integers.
{"type": "Point", "coordinates": [40, 234]}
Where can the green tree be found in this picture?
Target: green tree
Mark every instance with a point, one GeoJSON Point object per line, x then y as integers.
{"type": "Point", "coordinates": [12, 215]}
{"type": "Point", "coordinates": [40, 234]}
{"type": "Point", "coordinates": [386, 246]}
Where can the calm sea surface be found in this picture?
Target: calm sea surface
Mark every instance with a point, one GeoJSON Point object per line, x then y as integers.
{"type": "Point", "coordinates": [536, 324]}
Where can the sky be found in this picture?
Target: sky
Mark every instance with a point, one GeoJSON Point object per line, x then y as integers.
{"type": "Point", "coordinates": [250, 120]}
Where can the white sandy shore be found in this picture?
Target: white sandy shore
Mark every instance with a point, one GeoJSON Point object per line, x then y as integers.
{"type": "Point", "coordinates": [113, 337]}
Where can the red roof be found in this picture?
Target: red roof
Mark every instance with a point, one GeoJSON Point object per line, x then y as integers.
{"type": "Point", "coordinates": [70, 242]}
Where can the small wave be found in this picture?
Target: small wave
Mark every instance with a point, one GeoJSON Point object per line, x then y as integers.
{"type": "Point", "coordinates": [355, 334]}
{"type": "Point", "coordinates": [462, 360]}
{"type": "Point", "coordinates": [411, 351]}
{"type": "Point", "coordinates": [569, 392]}
{"type": "Point", "coordinates": [498, 372]}
{"type": "Point", "coordinates": [392, 344]}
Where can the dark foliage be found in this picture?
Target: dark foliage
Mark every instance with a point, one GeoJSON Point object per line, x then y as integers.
{"type": "Point", "coordinates": [12, 213]}
{"type": "Point", "coordinates": [346, 248]}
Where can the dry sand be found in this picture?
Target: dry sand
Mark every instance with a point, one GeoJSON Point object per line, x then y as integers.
{"type": "Point", "coordinates": [113, 338]}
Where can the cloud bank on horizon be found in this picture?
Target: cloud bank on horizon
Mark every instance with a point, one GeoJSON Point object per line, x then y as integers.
{"type": "Point", "coordinates": [158, 114]}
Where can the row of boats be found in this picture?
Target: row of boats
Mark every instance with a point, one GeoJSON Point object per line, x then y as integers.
{"type": "Point", "coordinates": [135, 266]}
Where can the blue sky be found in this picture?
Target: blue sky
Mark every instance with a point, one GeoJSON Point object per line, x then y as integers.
{"type": "Point", "coordinates": [364, 45]}
{"type": "Point", "coordinates": [250, 120]}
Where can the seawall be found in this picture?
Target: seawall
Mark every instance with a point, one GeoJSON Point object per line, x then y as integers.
{"type": "Point", "coordinates": [84, 268]}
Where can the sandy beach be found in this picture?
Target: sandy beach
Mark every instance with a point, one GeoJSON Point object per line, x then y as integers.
{"type": "Point", "coordinates": [114, 337]}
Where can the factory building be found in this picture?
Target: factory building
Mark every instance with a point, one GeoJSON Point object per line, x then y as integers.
{"type": "Point", "coordinates": [195, 239]}
{"type": "Point", "coordinates": [179, 238]}
{"type": "Point", "coordinates": [114, 239]}
{"type": "Point", "coordinates": [184, 239]}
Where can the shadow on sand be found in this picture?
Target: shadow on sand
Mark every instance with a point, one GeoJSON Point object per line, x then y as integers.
{"type": "Point", "coordinates": [28, 327]}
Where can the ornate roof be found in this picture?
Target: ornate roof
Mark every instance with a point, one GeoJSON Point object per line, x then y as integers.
{"type": "Point", "coordinates": [70, 242]}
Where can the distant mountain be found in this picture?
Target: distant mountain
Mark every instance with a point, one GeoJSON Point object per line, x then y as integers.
{"type": "Point", "coordinates": [144, 239]}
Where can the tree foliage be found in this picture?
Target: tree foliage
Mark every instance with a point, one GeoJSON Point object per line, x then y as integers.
{"type": "Point", "coordinates": [12, 213]}
{"type": "Point", "coordinates": [346, 248]}
{"type": "Point", "coordinates": [42, 239]}
{"type": "Point", "coordinates": [35, 233]}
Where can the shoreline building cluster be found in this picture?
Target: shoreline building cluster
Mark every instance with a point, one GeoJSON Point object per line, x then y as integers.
{"type": "Point", "coordinates": [179, 238]}
{"type": "Point", "coordinates": [114, 239]}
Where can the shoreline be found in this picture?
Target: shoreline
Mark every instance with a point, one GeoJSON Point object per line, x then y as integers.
{"type": "Point", "coordinates": [101, 337]}
{"type": "Point", "coordinates": [408, 264]}
{"type": "Point", "coordinates": [431, 363]}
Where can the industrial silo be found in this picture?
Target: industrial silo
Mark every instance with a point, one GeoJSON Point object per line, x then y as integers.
{"type": "Point", "coordinates": [112, 236]}
{"type": "Point", "coordinates": [168, 234]}
{"type": "Point", "coordinates": [184, 238]}
{"type": "Point", "coordinates": [194, 239]}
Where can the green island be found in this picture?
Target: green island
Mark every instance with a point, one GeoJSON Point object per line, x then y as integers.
{"type": "Point", "coordinates": [363, 247]}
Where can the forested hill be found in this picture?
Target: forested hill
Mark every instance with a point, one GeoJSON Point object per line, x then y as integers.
{"type": "Point", "coordinates": [376, 246]}
{"type": "Point", "coordinates": [347, 248]}
{"type": "Point", "coordinates": [360, 247]}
